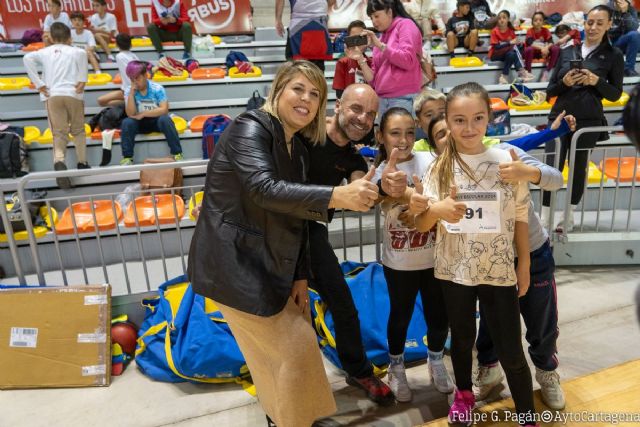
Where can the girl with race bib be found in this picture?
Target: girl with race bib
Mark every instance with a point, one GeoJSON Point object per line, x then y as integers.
{"type": "Point", "coordinates": [478, 216]}
{"type": "Point", "coordinates": [407, 258]}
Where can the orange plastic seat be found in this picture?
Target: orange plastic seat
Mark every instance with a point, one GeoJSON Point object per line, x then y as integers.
{"type": "Point", "coordinates": [147, 214]}
{"type": "Point", "coordinates": [197, 123]}
{"type": "Point", "coordinates": [117, 80]}
{"type": "Point", "coordinates": [172, 43]}
{"type": "Point", "coordinates": [208, 73]}
{"type": "Point", "coordinates": [84, 217]}
{"type": "Point", "coordinates": [610, 168]}
{"type": "Point", "coordinates": [97, 134]}
{"type": "Point", "coordinates": [33, 47]}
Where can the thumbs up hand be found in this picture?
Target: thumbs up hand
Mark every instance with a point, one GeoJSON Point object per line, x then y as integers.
{"type": "Point", "coordinates": [359, 195]}
{"type": "Point", "coordinates": [393, 181]}
{"type": "Point", "coordinates": [418, 202]}
{"type": "Point", "coordinates": [449, 209]}
{"type": "Point", "coordinates": [516, 170]}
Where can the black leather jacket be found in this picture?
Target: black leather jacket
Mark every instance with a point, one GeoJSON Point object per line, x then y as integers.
{"type": "Point", "coordinates": [250, 242]}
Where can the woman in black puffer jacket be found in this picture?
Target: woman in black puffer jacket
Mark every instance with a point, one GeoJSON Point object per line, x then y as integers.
{"type": "Point", "coordinates": [580, 92]}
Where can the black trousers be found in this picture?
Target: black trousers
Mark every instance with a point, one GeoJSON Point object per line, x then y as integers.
{"type": "Point", "coordinates": [502, 315]}
{"type": "Point", "coordinates": [404, 287]}
{"type": "Point", "coordinates": [585, 143]}
{"type": "Point", "coordinates": [329, 282]}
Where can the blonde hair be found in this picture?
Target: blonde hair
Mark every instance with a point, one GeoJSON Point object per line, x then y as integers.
{"type": "Point", "coordinates": [445, 162]}
{"type": "Point", "coordinates": [426, 95]}
{"type": "Point", "coordinates": [316, 130]}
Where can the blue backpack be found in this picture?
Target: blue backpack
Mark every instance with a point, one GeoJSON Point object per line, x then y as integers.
{"type": "Point", "coordinates": [369, 291]}
{"type": "Point", "coordinates": [211, 132]}
{"type": "Point", "coordinates": [234, 56]}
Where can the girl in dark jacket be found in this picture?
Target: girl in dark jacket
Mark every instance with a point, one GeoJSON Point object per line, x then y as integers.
{"type": "Point", "coordinates": [580, 90]}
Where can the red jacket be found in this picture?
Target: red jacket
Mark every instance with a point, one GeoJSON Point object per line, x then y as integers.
{"type": "Point", "coordinates": [174, 27]}
{"type": "Point", "coordinates": [345, 73]}
{"type": "Point", "coordinates": [499, 40]}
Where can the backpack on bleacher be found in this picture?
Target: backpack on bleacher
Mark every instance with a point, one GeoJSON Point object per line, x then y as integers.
{"type": "Point", "coordinates": [256, 101]}
{"type": "Point", "coordinates": [13, 153]}
{"type": "Point", "coordinates": [211, 132]}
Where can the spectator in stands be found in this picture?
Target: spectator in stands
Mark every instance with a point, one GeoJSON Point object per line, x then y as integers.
{"type": "Point", "coordinates": [395, 73]}
{"type": "Point", "coordinates": [428, 104]}
{"type": "Point", "coordinates": [504, 47]}
{"type": "Point", "coordinates": [253, 222]}
{"type": "Point", "coordinates": [483, 19]}
{"type": "Point", "coordinates": [55, 15]}
{"type": "Point", "coordinates": [624, 33]}
{"type": "Point", "coordinates": [347, 67]}
{"type": "Point", "coordinates": [104, 27]}
{"type": "Point", "coordinates": [580, 93]}
{"type": "Point", "coordinates": [539, 44]}
{"type": "Point", "coordinates": [461, 30]}
{"type": "Point", "coordinates": [170, 23]}
{"type": "Point", "coordinates": [64, 70]}
{"type": "Point", "coordinates": [83, 38]}
{"type": "Point", "coordinates": [147, 109]}
{"type": "Point", "coordinates": [308, 34]}
{"type": "Point", "coordinates": [123, 57]}
{"type": "Point", "coordinates": [426, 14]}
{"type": "Point", "coordinates": [331, 163]}
{"type": "Point", "coordinates": [567, 36]}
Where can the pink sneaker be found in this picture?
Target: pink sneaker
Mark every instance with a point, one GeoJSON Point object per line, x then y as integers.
{"type": "Point", "coordinates": [462, 408]}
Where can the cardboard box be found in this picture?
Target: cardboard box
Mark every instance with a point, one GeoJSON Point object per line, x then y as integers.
{"type": "Point", "coordinates": [55, 336]}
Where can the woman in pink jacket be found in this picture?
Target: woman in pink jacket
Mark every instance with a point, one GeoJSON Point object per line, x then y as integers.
{"type": "Point", "coordinates": [395, 72]}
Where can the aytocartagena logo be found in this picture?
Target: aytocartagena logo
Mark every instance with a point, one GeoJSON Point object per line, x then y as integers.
{"type": "Point", "coordinates": [211, 15]}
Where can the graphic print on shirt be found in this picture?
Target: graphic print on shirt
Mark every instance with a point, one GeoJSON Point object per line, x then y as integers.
{"type": "Point", "coordinates": [501, 260]}
{"type": "Point", "coordinates": [446, 266]}
{"type": "Point", "coordinates": [469, 265]}
{"type": "Point", "coordinates": [404, 238]}
{"type": "Point", "coordinates": [461, 28]}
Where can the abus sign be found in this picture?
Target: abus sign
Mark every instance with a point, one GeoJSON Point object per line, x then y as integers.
{"type": "Point", "coordinates": [211, 15]}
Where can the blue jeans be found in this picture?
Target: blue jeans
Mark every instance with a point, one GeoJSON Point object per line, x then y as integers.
{"type": "Point", "coordinates": [629, 44]}
{"type": "Point", "coordinates": [405, 102]}
{"type": "Point", "coordinates": [509, 59]}
{"type": "Point", "coordinates": [131, 127]}
{"type": "Point", "coordinates": [539, 309]}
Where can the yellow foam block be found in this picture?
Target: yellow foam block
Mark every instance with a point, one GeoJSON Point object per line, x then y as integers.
{"type": "Point", "coordinates": [14, 83]}
{"type": "Point", "coordinates": [468, 61]}
{"type": "Point", "coordinates": [30, 134]}
{"type": "Point", "coordinates": [544, 106]}
{"type": "Point", "coordinates": [181, 125]}
{"type": "Point", "coordinates": [256, 72]}
{"type": "Point", "coordinates": [193, 202]}
{"type": "Point", "coordinates": [159, 77]}
{"type": "Point", "coordinates": [47, 136]}
{"type": "Point", "coordinates": [593, 176]}
{"type": "Point", "coordinates": [621, 102]}
{"type": "Point", "coordinates": [216, 39]}
{"type": "Point", "coordinates": [98, 79]}
{"type": "Point", "coordinates": [39, 230]}
{"type": "Point", "coordinates": [141, 42]}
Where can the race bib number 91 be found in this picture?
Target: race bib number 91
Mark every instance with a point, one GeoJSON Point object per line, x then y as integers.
{"type": "Point", "coordinates": [482, 214]}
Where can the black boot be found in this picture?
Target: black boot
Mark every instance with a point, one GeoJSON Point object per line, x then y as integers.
{"type": "Point", "coordinates": [270, 422]}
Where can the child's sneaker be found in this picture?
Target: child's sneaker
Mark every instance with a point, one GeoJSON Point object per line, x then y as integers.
{"type": "Point", "coordinates": [126, 161]}
{"type": "Point", "coordinates": [503, 80]}
{"type": "Point", "coordinates": [545, 76]}
{"type": "Point", "coordinates": [178, 157]}
{"type": "Point", "coordinates": [462, 408]}
{"type": "Point", "coordinates": [550, 388]}
{"type": "Point", "coordinates": [525, 76]}
{"type": "Point", "coordinates": [485, 379]}
{"type": "Point", "coordinates": [63, 182]}
{"type": "Point", "coordinates": [399, 384]}
{"type": "Point", "coordinates": [83, 165]}
{"type": "Point", "coordinates": [440, 376]}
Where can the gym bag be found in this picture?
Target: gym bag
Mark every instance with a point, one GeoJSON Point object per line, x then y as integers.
{"type": "Point", "coordinates": [369, 291]}
{"type": "Point", "coordinates": [13, 153]}
{"type": "Point", "coordinates": [184, 338]}
{"type": "Point", "coordinates": [211, 132]}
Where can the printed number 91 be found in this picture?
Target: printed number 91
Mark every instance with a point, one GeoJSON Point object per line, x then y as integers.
{"type": "Point", "coordinates": [470, 213]}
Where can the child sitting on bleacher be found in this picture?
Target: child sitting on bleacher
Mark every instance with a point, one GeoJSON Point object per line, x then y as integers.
{"type": "Point", "coordinates": [64, 70]}
{"type": "Point", "coordinates": [504, 48]}
{"type": "Point", "coordinates": [147, 109]}
{"type": "Point", "coordinates": [104, 27]}
{"type": "Point", "coordinates": [83, 38]}
{"type": "Point", "coordinates": [539, 44]}
{"type": "Point", "coordinates": [567, 36]}
{"type": "Point", "coordinates": [461, 31]}
{"type": "Point", "coordinates": [347, 67]}
{"type": "Point", "coordinates": [55, 15]}
{"type": "Point", "coordinates": [117, 97]}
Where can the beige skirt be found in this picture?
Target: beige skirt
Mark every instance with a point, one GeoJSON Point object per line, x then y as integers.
{"type": "Point", "coordinates": [286, 367]}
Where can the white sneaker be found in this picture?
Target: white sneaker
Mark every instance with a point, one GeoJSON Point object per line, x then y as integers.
{"type": "Point", "coordinates": [545, 76]}
{"type": "Point", "coordinates": [398, 383]}
{"type": "Point", "coordinates": [503, 80]}
{"type": "Point", "coordinates": [525, 76]}
{"type": "Point", "coordinates": [485, 379]}
{"type": "Point", "coordinates": [550, 388]}
{"type": "Point", "coordinates": [440, 377]}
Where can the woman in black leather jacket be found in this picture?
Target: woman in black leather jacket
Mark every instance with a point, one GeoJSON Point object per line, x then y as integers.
{"type": "Point", "coordinates": [249, 249]}
{"type": "Point", "coordinates": [580, 93]}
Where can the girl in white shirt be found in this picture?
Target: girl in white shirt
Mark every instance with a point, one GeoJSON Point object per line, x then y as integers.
{"type": "Point", "coordinates": [407, 258]}
{"type": "Point", "coordinates": [478, 216]}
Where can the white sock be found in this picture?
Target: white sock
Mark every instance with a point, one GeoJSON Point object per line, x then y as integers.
{"type": "Point", "coordinates": [545, 216]}
{"type": "Point", "coordinates": [396, 359]}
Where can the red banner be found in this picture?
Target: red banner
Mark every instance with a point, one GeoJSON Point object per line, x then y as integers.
{"type": "Point", "coordinates": [207, 16]}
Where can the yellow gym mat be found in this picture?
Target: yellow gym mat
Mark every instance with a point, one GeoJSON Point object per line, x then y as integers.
{"type": "Point", "coordinates": [592, 400]}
